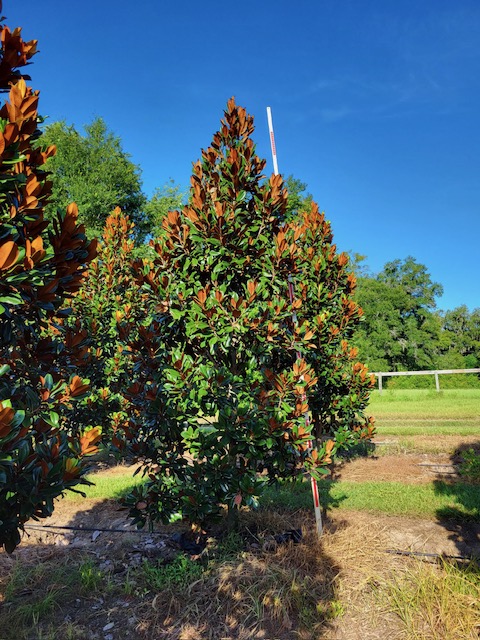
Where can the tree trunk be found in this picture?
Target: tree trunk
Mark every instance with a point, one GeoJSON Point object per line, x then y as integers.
{"type": "Point", "coordinates": [232, 519]}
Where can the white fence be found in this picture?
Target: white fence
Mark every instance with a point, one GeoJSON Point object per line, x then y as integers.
{"type": "Point", "coordinates": [384, 374]}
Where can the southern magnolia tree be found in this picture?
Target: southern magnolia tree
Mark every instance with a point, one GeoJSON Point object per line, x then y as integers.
{"type": "Point", "coordinates": [38, 460]}
{"type": "Point", "coordinates": [108, 298]}
{"type": "Point", "coordinates": [231, 364]}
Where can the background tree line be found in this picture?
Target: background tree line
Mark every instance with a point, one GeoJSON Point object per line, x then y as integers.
{"type": "Point", "coordinates": [402, 327]}
{"type": "Point", "coordinates": [404, 330]}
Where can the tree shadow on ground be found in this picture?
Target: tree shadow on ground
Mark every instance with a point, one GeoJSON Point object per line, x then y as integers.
{"type": "Point", "coordinates": [362, 449]}
{"type": "Point", "coordinates": [462, 517]}
{"type": "Point", "coordinates": [241, 587]}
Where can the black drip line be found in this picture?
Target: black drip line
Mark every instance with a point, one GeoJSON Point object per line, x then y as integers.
{"type": "Point", "coordinates": [50, 527]}
{"type": "Point", "coordinates": [418, 554]}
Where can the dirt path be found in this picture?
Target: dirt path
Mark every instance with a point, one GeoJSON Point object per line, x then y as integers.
{"type": "Point", "coordinates": [402, 533]}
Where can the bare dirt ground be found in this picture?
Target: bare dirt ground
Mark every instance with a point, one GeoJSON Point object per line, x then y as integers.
{"type": "Point", "coordinates": [409, 468]}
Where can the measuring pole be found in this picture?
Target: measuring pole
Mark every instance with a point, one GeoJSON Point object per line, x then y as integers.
{"type": "Point", "coordinates": [291, 293]}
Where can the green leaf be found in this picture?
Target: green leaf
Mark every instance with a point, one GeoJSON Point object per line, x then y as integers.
{"type": "Point", "coordinates": [176, 313]}
{"type": "Point", "coordinates": [51, 418]}
{"type": "Point", "coordinates": [48, 381]}
{"type": "Point", "coordinates": [12, 299]}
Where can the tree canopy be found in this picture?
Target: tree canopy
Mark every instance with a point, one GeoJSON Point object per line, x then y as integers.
{"type": "Point", "coordinates": [166, 198]}
{"type": "Point", "coordinates": [298, 198]}
{"type": "Point", "coordinates": [94, 171]}
{"type": "Point", "coordinates": [402, 328]}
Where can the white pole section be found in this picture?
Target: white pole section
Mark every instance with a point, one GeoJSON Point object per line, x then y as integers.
{"type": "Point", "coordinates": [316, 498]}
{"type": "Point", "coordinates": [272, 141]}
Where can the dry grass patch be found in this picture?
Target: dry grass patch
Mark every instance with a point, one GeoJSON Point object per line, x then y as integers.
{"type": "Point", "coordinates": [359, 549]}
{"type": "Point", "coordinates": [342, 587]}
{"type": "Point", "coordinates": [400, 598]}
{"type": "Point", "coordinates": [284, 593]}
{"type": "Point", "coordinates": [444, 444]}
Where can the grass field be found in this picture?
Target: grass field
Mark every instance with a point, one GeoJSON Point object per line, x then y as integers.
{"type": "Point", "coordinates": [419, 404]}
{"type": "Point", "coordinates": [389, 498]}
{"type": "Point", "coordinates": [426, 412]}
{"type": "Point", "coordinates": [392, 498]}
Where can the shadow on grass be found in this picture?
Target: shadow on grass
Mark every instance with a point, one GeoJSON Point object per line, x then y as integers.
{"type": "Point", "coordinates": [462, 517]}
{"type": "Point", "coordinates": [296, 495]}
{"type": "Point", "coordinates": [362, 449]}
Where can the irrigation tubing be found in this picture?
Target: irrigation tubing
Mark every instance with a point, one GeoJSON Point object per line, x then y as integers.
{"type": "Point", "coordinates": [47, 527]}
{"type": "Point", "coordinates": [397, 552]}
{"type": "Point", "coordinates": [422, 554]}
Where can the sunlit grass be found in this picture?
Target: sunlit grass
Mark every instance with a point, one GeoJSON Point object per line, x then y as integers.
{"type": "Point", "coordinates": [418, 444]}
{"type": "Point", "coordinates": [461, 501]}
{"type": "Point", "coordinates": [106, 487]}
{"type": "Point", "coordinates": [458, 500]}
{"type": "Point", "coordinates": [423, 412]}
{"type": "Point", "coordinates": [436, 602]}
{"type": "Point", "coordinates": [434, 428]}
{"type": "Point", "coordinates": [421, 404]}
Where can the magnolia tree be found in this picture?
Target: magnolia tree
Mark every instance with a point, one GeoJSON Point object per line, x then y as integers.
{"type": "Point", "coordinates": [232, 364]}
{"type": "Point", "coordinates": [108, 299]}
{"type": "Point", "coordinates": [39, 269]}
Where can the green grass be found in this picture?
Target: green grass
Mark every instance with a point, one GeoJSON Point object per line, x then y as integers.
{"type": "Point", "coordinates": [106, 487]}
{"type": "Point", "coordinates": [176, 576]}
{"type": "Point", "coordinates": [436, 428]}
{"type": "Point", "coordinates": [421, 404]}
{"type": "Point", "coordinates": [35, 593]}
{"type": "Point", "coordinates": [422, 412]}
{"type": "Point", "coordinates": [438, 499]}
{"type": "Point", "coordinates": [458, 500]}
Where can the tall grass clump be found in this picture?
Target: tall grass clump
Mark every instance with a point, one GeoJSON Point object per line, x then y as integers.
{"type": "Point", "coordinates": [437, 602]}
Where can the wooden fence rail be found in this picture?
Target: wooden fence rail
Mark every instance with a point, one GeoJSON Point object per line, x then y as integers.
{"type": "Point", "coordinates": [436, 372]}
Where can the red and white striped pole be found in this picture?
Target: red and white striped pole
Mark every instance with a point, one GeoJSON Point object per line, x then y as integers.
{"type": "Point", "coordinates": [272, 141]}
{"type": "Point", "coordinates": [291, 293]}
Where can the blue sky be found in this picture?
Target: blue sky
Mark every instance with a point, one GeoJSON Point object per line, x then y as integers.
{"type": "Point", "coordinates": [376, 105]}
